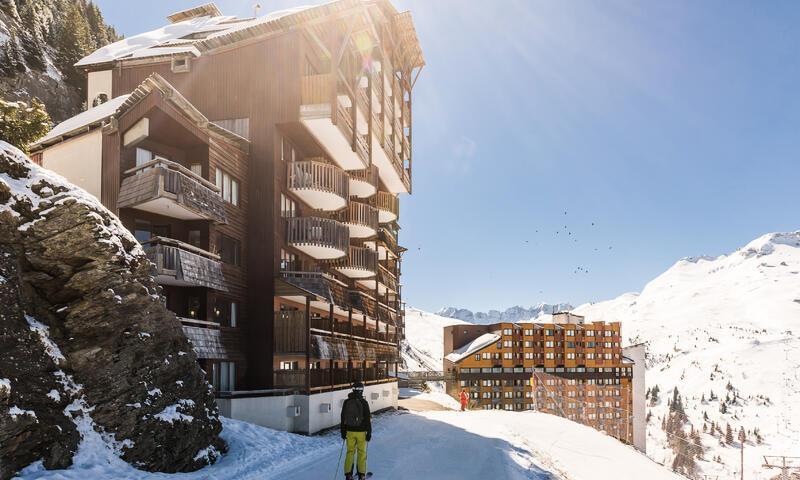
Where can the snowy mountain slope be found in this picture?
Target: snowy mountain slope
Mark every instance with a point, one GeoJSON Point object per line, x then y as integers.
{"type": "Point", "coordinates": [714, 322]}
{"type": "Point", "coordinates": [512, 314]}
{"type": "Point", "coordinates": [422, 348]}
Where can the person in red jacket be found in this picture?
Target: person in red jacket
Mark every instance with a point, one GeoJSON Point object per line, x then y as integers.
{"type": "Point", "coordinates": [464, 399]}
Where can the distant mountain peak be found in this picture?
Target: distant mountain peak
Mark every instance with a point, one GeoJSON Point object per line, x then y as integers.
{"type": "Point", "coordinates": [516, 313]}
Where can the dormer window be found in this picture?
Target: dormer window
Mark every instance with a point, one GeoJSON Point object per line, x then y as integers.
{"type": "Point", "coordinates": [99, 100]}
{"type": "Point", "coordinates": [180, 64]}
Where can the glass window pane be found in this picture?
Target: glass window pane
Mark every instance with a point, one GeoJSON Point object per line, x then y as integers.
{"type": "Point", "coordinates": [235, 192]}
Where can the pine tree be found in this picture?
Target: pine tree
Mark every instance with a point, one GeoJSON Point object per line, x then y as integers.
{"type": "Point", "coordinates": [73, 41]}
{"type": "Point", "coordinates": [20, 124]}
{"type": "Point", "coordinates": [33, 37]}
{"type": "Point", "coordinates": [723, 408]}
{"type": "Point", "coordinates": [728, 434]}
{"type": "Point", "coordinates": [742, 436]}
{"type": "Point", "coordinates": [11, 59]}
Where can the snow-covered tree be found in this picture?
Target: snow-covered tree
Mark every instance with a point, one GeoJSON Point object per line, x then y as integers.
{"type": "Point", "coordinates": [21, 124]}
{"type": "Point", "coordinates": [728, 434]}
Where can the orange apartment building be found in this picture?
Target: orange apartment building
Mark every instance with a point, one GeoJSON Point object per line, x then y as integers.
{"type": "Point", "coordinates": [568, 367]}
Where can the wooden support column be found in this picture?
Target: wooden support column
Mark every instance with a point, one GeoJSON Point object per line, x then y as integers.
{"type": "Point", "coordinates": [369, 115]}
{"type": "Point", "coordinates": [332, 320]}
{"type": "Point", "coordinates": [308, 345]}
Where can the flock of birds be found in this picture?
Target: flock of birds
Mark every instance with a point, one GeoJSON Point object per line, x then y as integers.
{"type": "Point", "coordinates": [570, 236]}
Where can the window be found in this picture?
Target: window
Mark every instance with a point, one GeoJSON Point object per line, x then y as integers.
{"type": "Point", "coordinates": [143, 156]}
{"type": "Point", "coordinates": [528, 332]}
{"type": "Point", "coordinates": [548, 343]}
{"type": "Point", "coordinates": [289, 365]}
{"type": "Point", "coordinates": [197, 169]}
{"type": "Point", "coordinates": [590, 356]}
{"type": "Point", "coordinates": [507, 355]}
{"type": "Point", "coordinates": [549, 355]}
{"type": "Point", "coordinates": [224, 376]}
{"type": "Point", "coordinates": [226, 312]}
{"type": "Point", "coordinates": [289, 208]}
{"type": "Point", "coordinates": [548, 332]}
{"type": "Point", "coordinates": [288, 261]}
{"type": "Point", "coordinates": [100, 99]}
{"type": "Point", "coordinates": [571, 356]}
{"type": "Point", "coordinates": [589, 333]}
{"type": "Point", "coordinates": [508, 343]}
{"type": "Point", "coordinates": [229, 249]}
{"type": "Point", "coordinates": [228, 187]}
{"type": "Point", "coordinates": [477, 356]}
{"type": "Point", "coordinates": [570, 333]}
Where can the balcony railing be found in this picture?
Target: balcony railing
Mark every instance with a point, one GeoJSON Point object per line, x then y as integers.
{"type": "Point", "coordinates": [364, 182]}
{"type": "Point", "coordinates": [387, 279]}
{"type": "Point", "coordinates": [321, 185]}
{"type": "Point", "coordinates": [316, 90]}
{"type": "Point", "coordinates": [360, 262]}
{"type": "Point", "coordinates": [167, 188]}
{"type": "Point", "coordinates": [178, 263]}
{"type": "Point", "coordinates": [388, 207]}
{"type": "Point", "coordinates": [325, 377]}
{"type": "Point", "coordinates": [321, 285]}
{"type": "Point", "coordinates": [361, 219]}
{"type": "Point", "coordinates": [321, 238]}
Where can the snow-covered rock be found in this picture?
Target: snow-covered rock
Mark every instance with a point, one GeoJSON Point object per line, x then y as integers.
{"type": "Point", "coordinates": [512, 314]}
{"type": "Point", "coordinates": [67, 261]}
{"type": "Point", "coordinates": [422, 348]}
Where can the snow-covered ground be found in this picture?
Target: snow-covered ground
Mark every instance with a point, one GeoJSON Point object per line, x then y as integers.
{"type": "Point", "coordinates": [434, 394]}
{"type": "Point", "coordinates": [709, 321]}
{"type": "Point", "coordinates": [422, 349]}
{"type": "Point", "coordinates": [443, 444]}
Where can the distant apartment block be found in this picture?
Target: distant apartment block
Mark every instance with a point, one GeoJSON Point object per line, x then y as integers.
{"type": "Point", "coordinates": [567, 367]}
{"type": "Point", "coordinates": [259, 162]}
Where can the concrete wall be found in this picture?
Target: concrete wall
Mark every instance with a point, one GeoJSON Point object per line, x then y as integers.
{"type": "Point", "coordinates": [637, 354]}
{"type": "Point", "coordinates": [78, 159]}
{"type": "Point", "coordinates": [97, 83]}
{"type": "Point", "coordinates": [272, 412]}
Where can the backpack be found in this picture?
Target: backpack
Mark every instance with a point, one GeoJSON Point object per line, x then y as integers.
{"type": "Point", "coordinates": [352, 413]}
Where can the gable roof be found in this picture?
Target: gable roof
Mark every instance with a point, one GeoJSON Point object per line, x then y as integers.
{"type": "Point", "coordinates": [115, 108]}
{"type": "Point", "coordinates": [472, 347]}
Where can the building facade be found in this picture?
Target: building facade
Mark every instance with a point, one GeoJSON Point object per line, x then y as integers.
{"type": "Point", "coordinates": [260, 161]}
{"type": "Point", "coordinates": [569, 368]}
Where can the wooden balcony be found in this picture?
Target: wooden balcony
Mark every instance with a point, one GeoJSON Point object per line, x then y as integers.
{"type": "Point", "coordinates": [388, 206]}
{"type": "Point", "coordinates": [321, 238]}
{"type": "Point", "coordinates": [386, 244]}
{"type": "Point", "coordinates": [332, 127]}
{"type": "Point", "coordinates": [360, 263]}
{"type": "Point", "coordinates": [326, 289]}
{"type": "Point", "coordinates": [321, 185]}
{"type": "Point", "coordinates": [386, 282]}
{"type": "Point", "coordinates": [181, 264]}
{"type": "Point", "coordinates": [325, 378]}
{"type": "Point", "coordinates": [167, 188]}
{"type": "Point", "coordinates": [361, 219]}
{"type": "Point", "coordinates": [364, 183]}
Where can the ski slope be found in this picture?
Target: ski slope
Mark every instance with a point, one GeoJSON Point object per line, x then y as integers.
{"type": "Point", "coordinates": [422, 348]}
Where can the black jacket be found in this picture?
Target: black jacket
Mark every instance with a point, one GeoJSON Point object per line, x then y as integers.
{"type": "Point", "coordinates": [366, 423]}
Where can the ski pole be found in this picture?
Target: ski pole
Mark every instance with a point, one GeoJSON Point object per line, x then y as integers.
{"type": "Point", "coordinates": [341, 449]}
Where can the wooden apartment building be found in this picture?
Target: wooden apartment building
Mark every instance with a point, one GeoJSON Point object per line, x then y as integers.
{"type": "Point", "coordinates": [260, 161]}
{"type": "Point", "coordinates": [565, 367]}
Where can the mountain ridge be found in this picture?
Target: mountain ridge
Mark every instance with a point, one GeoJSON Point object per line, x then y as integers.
{"type": "Point", "coordinates": [513, 314]}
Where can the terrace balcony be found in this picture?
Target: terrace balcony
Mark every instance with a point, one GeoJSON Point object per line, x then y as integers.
{"type": "Point", "coordinates": [320, 238]}
{"type": "Point", "coordinates": [333, 127]}
{"type": "Point", "coordinates": [388, 206]}
{"type": "Point", "coordinates": [364, 183]}
{"type": "Point", "coordinates": [180, 264]}
{"type": "Point", "coordinates": [167, 188]}
{"type": "Point", "coordinates": [384, 282]}
{"type": "Point", "coordinates": [385, 244]}
{"type": "Point", "coordinates": [361, 219]}
{"type": "Point", "coordinates": [360, 263]}
{"type": "Point", "coordinates": [323, 289]}
{"type": "Point", "coordinates": [321, 185]}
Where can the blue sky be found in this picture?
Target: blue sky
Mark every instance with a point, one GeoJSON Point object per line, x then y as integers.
{"type": "Point", "coordinates": [672, 126]}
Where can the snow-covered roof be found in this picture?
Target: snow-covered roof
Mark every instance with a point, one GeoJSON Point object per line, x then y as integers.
{"type": "Point", "coordinates": [90, 117]}
{"type": "Point", "coordinates": [478, 344]}
{"type": "Point", "coordinates": [180, 37]}
{"type": "Point", "coordinates": [116, 107]}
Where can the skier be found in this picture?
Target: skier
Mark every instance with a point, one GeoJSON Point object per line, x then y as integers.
{"type": "Point", "coordinates": [356, 428]}
{"type": "Point", "coordinates": [464, 399]}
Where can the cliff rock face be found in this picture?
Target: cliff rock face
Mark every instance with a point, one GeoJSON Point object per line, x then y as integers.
{"type": "Point", "coordinates": [88, 352]}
